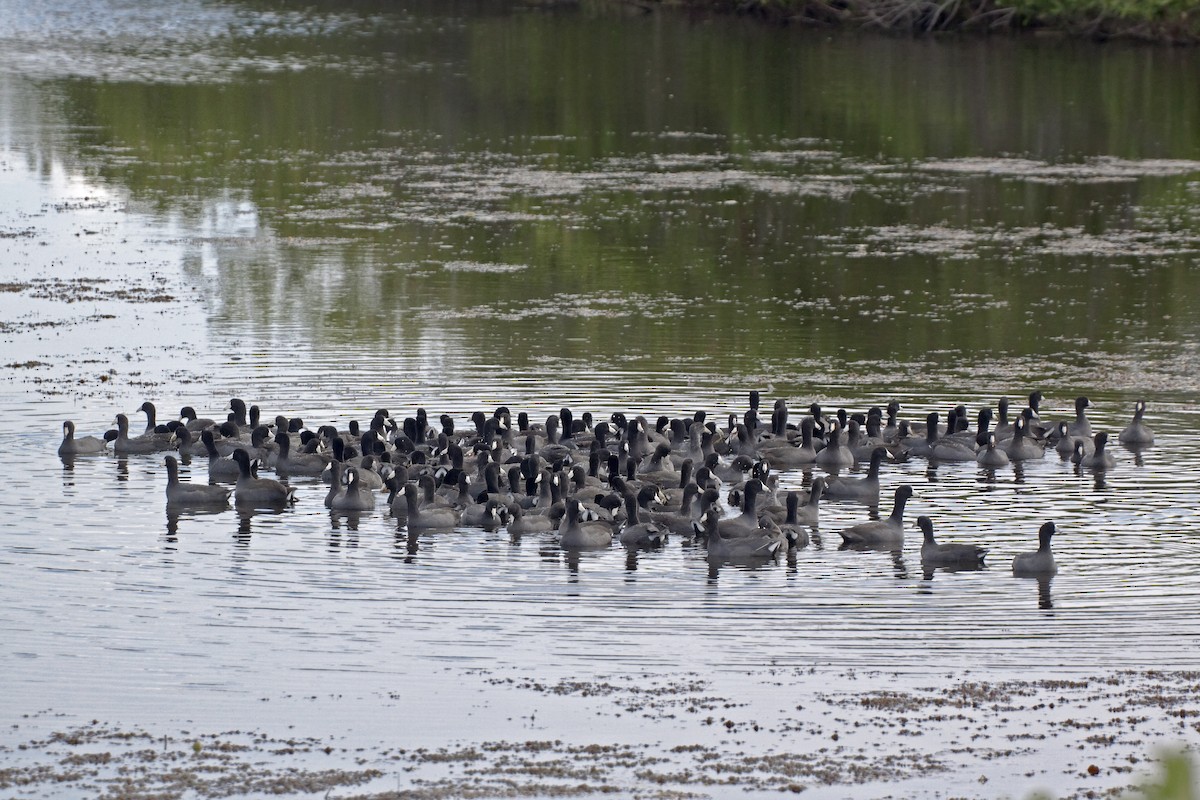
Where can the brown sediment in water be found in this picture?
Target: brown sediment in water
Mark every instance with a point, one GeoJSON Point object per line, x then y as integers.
{"type": "Point", "coordinates": [91, 290]}
{"type": "Point", "coordinates": [966, 731]}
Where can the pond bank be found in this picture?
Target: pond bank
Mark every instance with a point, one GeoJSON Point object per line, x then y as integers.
{"type": "Point", "coordinates": [1161, 21]}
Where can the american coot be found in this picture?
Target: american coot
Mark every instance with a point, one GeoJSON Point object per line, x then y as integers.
{"type": "Point", "coordinates": [489, 515]}
{"type": "Point", "coordinates": [947, 555]}
{"type": "Point", "coordinates": [192, 494]}
{"type": "Point", "coordinates": [219, 469]}
{"type": "Point", "coordinates": [746, 523]}
{"type": "Point", "coordinates": [238, 414]}
{"type": "Point", "coordinates": [187, 445]}
{"type": "Point", "coordinates": [835, 455]}
{"type": "Point", "coordinates": [806, 512]}
{"type": "Point", "coordinates": [574, 534]}
{"type": "Point", "coordinates": [892, 429]}
{"type": "Point", "coordinates": [547, 484]}
{"type": "Point", "coordinates": [1040, 563]}
{"type": "Point", "coordinates": [1003, 429]}
{"type": "Point", "coordinates": [801, 517]}
{"type": "Point", "coordinates": [757, 547]}
{"type": "Point", "coordinates": [1100, 458]}
{"type": "Point", "coordinates": [673, 496]}
{"type": "Point", "coordinates": [124, 445]}
{"type": "Point", "coordinates": [865, 489]}
{"type": "Point", "coordinates": [924, 438]}
{"type": "Point", "coordinates": [152, 426]}
{"type": "Point", "coordinates": [1035, 401]}
{"type": "Point", "coordinates": [84, 445]}
{"type": "Point", "coordinates": [735, 472]}
{"type": "Point", "coordinates": [638, 532]}
{"type": "Point", "coordinates": [694, 503]}
{"type": "Point", "coordinates": [820, 422]}
{"type": "Point", "coordinates": [288, 463]}
{"type": "Point", "coordinates": [699, 442]}
{"type": "Point", "coordinates": [194, 423]}
{"type": "Point", "coordinates": [520, 523]}
{"type": "Point", "coordinates": [346, 491]}
{"type": "Point", "coordinates": [252, 491]}
{"type": "Point", "coordinates": [1034, 426]}
{"type": "Point", "coordinates": [873, 438]}
{"type": "Point", "coordinates": [1081, 426]}
{"type": "Point", "coordinates": [1136, 432]}
{"type": "Point", "coordinates": [368, 475]}
{"type": "Point", "coordinates": [1021, 447]}
{"type": "Point", "coordinates": [978, 438]}
{"type": "Point", "coordinates": [953, 448]}
{"type": "Point", "coordinates": [786, 454]}
{"type": "Point", "coordinates": [657, 468]}
{"type": "Point", "coordinates": [427, 518]}
{"type": "Point", "coordinates": [637, 439]}
{"type": "Point", "coordinates": [262, 447]}
{"type": "Point", "coordinates": [337, 482]}
{"type": "Point", "coordinates": [991, 456]}
{"type": "Point", "coordinates": [883, 532]}
{"type": "Point", "coordinates": [1065, 446]}
{"type": "Point", "coordinates": [223, 446]}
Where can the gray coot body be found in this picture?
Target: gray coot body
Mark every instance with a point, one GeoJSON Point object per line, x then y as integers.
{"type": "Point", "coordinates": [883, 532]}
{"type": "Point", "coordinates": [947, 555]}
{"type": "Point", "coordinates": [1040, 563]}
{"type": "Point", "coordinates": [252, 491]}
{"type": "Point", "coordinates": [1136, 432]}
{"type": "Point", "coordinates": [192, 494]}
{"type": "Point", "coordinates": [81, 446]}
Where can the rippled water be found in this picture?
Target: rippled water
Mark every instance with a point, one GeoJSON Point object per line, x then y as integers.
{"type": "Point", "coordinates": [334, 210]}
{"type": "Point", "coordinates": [1124, 597]}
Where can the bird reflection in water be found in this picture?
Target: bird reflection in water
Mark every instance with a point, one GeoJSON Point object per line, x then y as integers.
{"type": "Point", "coordinates": [242, 537]}
{"type": "Point", "coordinates": [176, 513]}
{"type": "Point", "coordinates": [1045, 601]}
{"type": "Point", "coordinates": [347, 519]}
{"type": "Point", "coordinates": [405, 545]}
{"type": "Point", "coordinates": [350, 519]}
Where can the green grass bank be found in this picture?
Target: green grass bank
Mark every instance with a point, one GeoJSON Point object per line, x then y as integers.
{"type": "Point", "coordinates": [1164, 21]}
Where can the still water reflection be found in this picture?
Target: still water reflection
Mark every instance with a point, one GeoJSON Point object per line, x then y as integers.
{"type": "Point", "coordinates": [503, 189]}
{"type": "Point", "coordinates": [329, 210]}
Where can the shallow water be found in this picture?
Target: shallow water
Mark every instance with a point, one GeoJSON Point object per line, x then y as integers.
{"type": "Point", "coordinates": [330, 210]}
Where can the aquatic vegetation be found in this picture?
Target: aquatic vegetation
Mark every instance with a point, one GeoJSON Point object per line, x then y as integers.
{"type": "Point", "coordinates": [1156, 20]}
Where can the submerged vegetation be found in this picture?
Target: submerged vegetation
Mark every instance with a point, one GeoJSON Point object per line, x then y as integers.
{"type": "Point", "coordinates": [1174, 21]}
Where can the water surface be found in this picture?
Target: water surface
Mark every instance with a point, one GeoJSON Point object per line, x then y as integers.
{"type": "Point", "coordinates": [330, 210]}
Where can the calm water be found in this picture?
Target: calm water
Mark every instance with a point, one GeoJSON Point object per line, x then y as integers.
{"type": "Point", "coordinates": [327, 210]}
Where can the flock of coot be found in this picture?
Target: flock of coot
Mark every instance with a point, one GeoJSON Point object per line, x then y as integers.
{"type": "Point", "coordinates": [622, 478]}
